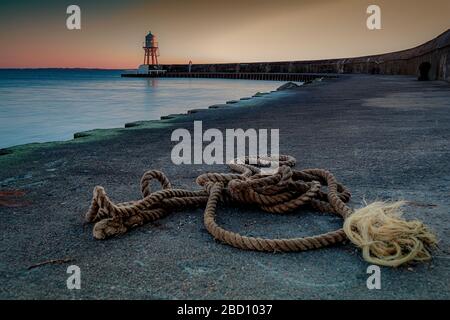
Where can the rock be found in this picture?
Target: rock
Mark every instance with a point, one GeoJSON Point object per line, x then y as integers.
{"type": "Point", "coordinates": [232, 101]}
{"type": "Point", "coordinates": [218, 106]}
{"type": "Point", "coordinates": [172, 116]}
{"type": "Point", "coordinates": [289, 85]}
{"type": "Point", "coordinates": [195, 111]}
{"type": "Point", "coordinates": [260, 94]}
{"type": "Point", "coordinates": [132, 124]}
{"type": "Point", "coordinates": [81, 135]}
{"type": "Point", "coordinates": [5, 152]}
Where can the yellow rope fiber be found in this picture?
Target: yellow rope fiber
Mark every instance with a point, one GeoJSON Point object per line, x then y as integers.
{"type": "Point", "coordinates": [386, 238]}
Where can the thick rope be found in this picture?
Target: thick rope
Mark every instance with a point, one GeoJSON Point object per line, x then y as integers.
{"type": "Point", "coordinates": [284, 191]}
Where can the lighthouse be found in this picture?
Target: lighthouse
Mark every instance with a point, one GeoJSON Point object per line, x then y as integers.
{"type": "Point", "coordinates": [151, 54]}
{"type": "Point", "coordinates": [151, 50]}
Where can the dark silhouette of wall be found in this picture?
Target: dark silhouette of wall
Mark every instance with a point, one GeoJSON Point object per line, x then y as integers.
{"type": "Point", "coordinates": [435, 52]}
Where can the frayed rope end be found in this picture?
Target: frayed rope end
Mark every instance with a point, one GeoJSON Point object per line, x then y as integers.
{"type": "Point", "coordinates": [386, 238]}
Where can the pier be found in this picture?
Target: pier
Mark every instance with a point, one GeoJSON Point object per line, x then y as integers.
{"type": "Point", "coordinates": [429, 61]}
{"type": "Point", "coordinates": [299, 77]}
{"type": "Point", "coordinates": [383, 136]}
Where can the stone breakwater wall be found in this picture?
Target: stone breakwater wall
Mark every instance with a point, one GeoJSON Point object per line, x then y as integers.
{"type": "Point", "coordinates": [435, 53]}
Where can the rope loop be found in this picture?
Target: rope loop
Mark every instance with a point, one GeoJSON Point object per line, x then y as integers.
{"type": "Point", "coordinates": [283, 191]}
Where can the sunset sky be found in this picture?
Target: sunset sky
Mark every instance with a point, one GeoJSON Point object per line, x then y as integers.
{"type": "Point", "coordinates": [34, 33]}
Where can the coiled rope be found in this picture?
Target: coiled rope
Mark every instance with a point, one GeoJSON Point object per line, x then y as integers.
{"type": "Point", "coordinates": [284, 191]}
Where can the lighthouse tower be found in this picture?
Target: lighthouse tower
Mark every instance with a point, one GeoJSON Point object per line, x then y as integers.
{"type": "Point", "coordinates": [151, 50]}
{"type": "Point", "coordinates": [151, 54]}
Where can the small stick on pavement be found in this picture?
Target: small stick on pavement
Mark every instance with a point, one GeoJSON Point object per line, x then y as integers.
{"type": "Point", "coordinates": [53, 261]}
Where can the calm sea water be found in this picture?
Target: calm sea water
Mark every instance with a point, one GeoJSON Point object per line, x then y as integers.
{"type": "Point", "coordinates": [50, 105]}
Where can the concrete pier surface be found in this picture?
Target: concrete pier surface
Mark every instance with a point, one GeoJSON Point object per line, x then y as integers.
{"type": "Point", "coordinates": [385, 137]}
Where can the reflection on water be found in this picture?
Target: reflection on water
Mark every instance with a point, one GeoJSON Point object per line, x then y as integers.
{"type": "Point", "coordinates": [152, 82]}
{"type": "Point", "coordinates": [48, 105]}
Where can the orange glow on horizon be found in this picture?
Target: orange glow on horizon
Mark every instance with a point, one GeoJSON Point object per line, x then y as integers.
{"type": "Point", "coordinates": [212, 31]}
